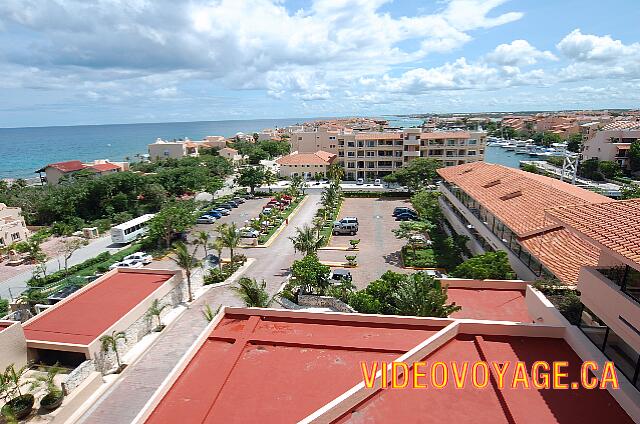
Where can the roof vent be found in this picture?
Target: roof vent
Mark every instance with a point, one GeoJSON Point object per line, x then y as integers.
{"type": "Point", "coordinates": [466, 170]}
{"type": "Point", "coordinates": [491, 183]}
{"type": "Point", "coordinates": [511, 195]}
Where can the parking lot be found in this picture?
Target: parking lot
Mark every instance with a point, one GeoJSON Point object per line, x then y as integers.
{"type": "Point", "coordinates": [247, 210]}
{"type": "Point", "coordinates": [379, 249]}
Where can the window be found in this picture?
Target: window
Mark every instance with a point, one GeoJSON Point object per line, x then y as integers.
{"type": "Point", "coordinates": [351, 154]}
{"type": "Point", "coordinates": [15, 236]}
{"type": "Point", "coordinates": [451, 142]}
{"type": "Point", "coordinates": [332, 138]}
{"type": "Point", "coordinates": [471, 153]}
{"type": "Point", "coordinates": [370, 154]}
{"type": "Point", "coordinates": [473, 142]}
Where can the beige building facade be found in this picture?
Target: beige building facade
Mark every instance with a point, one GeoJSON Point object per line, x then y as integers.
{"type": "Point", "coordinates": [12, 226]}
{"type": "Point", "coordinates": [306, 165]}
{"type": "Point", "coordinates": [612, 143]}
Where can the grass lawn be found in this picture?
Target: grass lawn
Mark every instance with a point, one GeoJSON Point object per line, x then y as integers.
{"type": "Point", "coordinates": [424, 257]}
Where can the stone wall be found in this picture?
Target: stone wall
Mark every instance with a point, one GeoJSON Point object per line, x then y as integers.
{"type": "Point", "coordinates": [105, 362]}
{"type": "Point", "coordinates": [77, 376]}
{"type": "Point", "coordinates": [324, 302]}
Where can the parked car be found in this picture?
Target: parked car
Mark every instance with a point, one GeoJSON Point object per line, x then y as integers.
{"type": "Point", "coordinates": [406, 216]}
{"type": "Point", "coordinates": [359, 181]}
{"type": "Point", "coordinates": [131, 263]}
{"type": "Point", "coordinates": [143, 257]}
{"type": "Point", "coordinates": [267, 210]}
{"type": "Point", "coordinates": [377, 182]}
{"type": "Point", "coordinates": [397, 211]}
{"type": "Point", "coordinates": [231, 203]}
{"type": "Point", "coordinates": [238, 199]}
{"type": "Point", "coordinates": [225, 206]}
{"type": "Point", "coordinates": [339, 229]}
{"type": "Point", "coordinates": [206, 219]}
{"type": "Point", "coordinates": [349, 220]}
{"type": "Point", "coordinates": [249, 233]}
{"type": "Point", "coordinates": [214, 213]}
{"type": "Point", "coordinates": [211, 260]}
{"type": "Point", "coordinates": [223, 211]}
{"type": "Point", "coordinates": [419, 239]}
{"type": "Point", "coordinates": [339, 275]}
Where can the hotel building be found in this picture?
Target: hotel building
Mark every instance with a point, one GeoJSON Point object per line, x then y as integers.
{"type": "Point", "coordinates": [612, 142]}
{"type": "Point", "coordinates": [12, 226]}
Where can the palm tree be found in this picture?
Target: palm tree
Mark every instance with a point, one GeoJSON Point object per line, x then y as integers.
{"type": "Point", "coordinates": [269, 178]}
{"type": "Point", "coordinates": [111, 342]}
{"type": "Point", "coordinates": [305, 240]}
{"type": "Point", "coordinates": [186, 261]}
{"type": "Point", "coordinates": [335, 172]}
{"type": "Point", "coordinates": [230, 237]}
{"type": "Point", "coordinates": [423, 296]}
{"type": "Point", "coordinates": [209, 313]}
{"type": "Point", "coordinates": [217, 245]}
{"type": "Point", "coordinates": [203, 240]}
{"type": "Point", "coordinates": [155, 310]}
{"type": "Point", "coordinates": [318, 224]}
{"type": "Point", "coordinates": [253, 294]}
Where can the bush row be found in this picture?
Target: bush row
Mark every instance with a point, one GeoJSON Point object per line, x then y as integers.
{"type": "Point", "coordinates": [217, 275]}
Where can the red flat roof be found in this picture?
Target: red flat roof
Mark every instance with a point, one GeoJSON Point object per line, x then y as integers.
{"type": "Point", "coordinates": [282, 366]}
{"type": "Point", "coordinates": [87, 314]}
{"type": "Point", "coordinates": [491, 304]}
{"type": "Point", "coordinates": [279, 369]}
{"type": "Point", "coordinates": [490, 405]}
{"type": "Point", "coordinates": [4, 325]}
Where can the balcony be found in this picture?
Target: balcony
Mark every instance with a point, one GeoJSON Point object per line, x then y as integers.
{"type": "Point", "coordinates": [626, 278]}
{"type": "Point", "coordinates": [410, 142]}
{"type": "Point", "coordinates": [411, 153]}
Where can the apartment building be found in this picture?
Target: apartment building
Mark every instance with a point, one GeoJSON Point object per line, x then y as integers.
{"type": "Point", "coordinates": [176, 149]}
{"type": "Point", "coordinates": [12, 226]}
{"type": "Point", "coordinates": [371, 155]}
{"type": "Point", "coordinates": [612, 142]}
{"type": "Point", "coordinates": [306, 165]}
{"type": "Point", "coordinates": [609, 289]}
{"type": "Point", "coordinates": [322, 138]}
{"type": "Point", "coordinates": [501, 208]}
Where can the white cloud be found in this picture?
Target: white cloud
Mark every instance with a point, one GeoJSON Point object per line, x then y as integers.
{"type": "Point", "coordinates": [518, 53]}
{"type": "Point", "coordinates": [587, 47]}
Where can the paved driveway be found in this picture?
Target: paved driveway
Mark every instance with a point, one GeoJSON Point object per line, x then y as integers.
{"type": "Point", "coordinates": [379, 249]}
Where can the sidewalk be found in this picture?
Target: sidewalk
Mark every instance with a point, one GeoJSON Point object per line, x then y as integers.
{"type": "Point", "coordinates": [17, 284]}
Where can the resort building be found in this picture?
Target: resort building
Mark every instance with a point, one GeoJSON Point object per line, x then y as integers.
{"type": "Point", "coordinates": [162, 149]}
{"type": "Point", "coordinates": [230, 154]}
{"type": "Point", "coordinates": [12, 226]}
{"type": "Point", "coordinates": [610, 288]}
{"type": "Point", "coordinates": [612, 142]}
{"type": "Point", "coordinates": [501, 208]}
{"type": "Point", "coordinates": [371, 155]}
{"type": "Point", "coordinates": [321, 138]}
{"type": "Point", "coordinates": [314, 365]}
{"type": "Point", "coordinates": [55, 172]}
{"type": "Point", "coordinates": [306, 165]}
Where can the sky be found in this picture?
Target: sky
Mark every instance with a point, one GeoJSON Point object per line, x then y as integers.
{"type": "Point", "coordinates": [68, 62]}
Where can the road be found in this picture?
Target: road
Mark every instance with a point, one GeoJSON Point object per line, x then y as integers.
{"type": "Point", "coordinates": [122, 402]}
{"type": "Point", "coordinates": [17, 284]}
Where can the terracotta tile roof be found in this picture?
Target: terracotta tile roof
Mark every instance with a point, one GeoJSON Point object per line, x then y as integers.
{"type": "Point", "coordinates": [379, 136]}
{"type": "Point", "coordinates": [68, 166]}
{"type": "Point", "coordinates": [622, 125]}
{"type": "Point", "coordinates": [612, 225]}
{"type": "Point", "coordinates": [562, 253]}
{"type": "Point", "coordinates": [516, 197]}
{"type": "Point", "coordinates": [228, 150]}
{"type": "Point", "coordinates": [437, 135]}
{"type": "Point", "coordinates": [318, 158]}
{"type": "Point", "coordinates": [103, 167]}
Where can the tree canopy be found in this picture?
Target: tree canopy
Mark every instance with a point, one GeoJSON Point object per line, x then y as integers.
{"type": "Point", "coordinates": [490, 265]}
{"type": "Point", "coordinates": [171, 220]}
{"type": "Point", "coordinates": [418, 174]}
{"type": "Point", "coordinates": [252, 177]}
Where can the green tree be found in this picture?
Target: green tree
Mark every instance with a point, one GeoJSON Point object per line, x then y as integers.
{"type": "Point", "coordinates": [252, 177]}
{"type": "Point", "coordinates": [609, 169]}
{"type": "Point", "coordinates": [490, 265]}
{"type": "Point", "coordinates": [252, 293]}
{"type": "Point", "coordinates": [529, 167]}
{"type": "Point", "coordinates": [309, 275]}
{"type": "Point", "coordinates": [590, 169]}
{"type": "Point", "coordinates": [423, 296]}
{"type": "Point", "coordinates": [229, 237]}
{"type": "Point", "coordinates": [185, 260]}
{"type": "Point", "coordinates": [155, 310]}
{"type": "Point", "coordinates": [4, 307]}
{"type": "Point", "coordinates": [574, 143]}
{"type": "Point", "coordinates": [203, 240]}
{"type": "Point", "coordinates": [634, 156]}
{"type": "Point", "coordinates": [171, 220]}
{"type": "Point", "coordinates": [419, 173]}
{"type": "Point", "coordinates": [631, 191]}
{"type": "Point", "coordinates": [306, 240]}
{"type": "Point", "coordinates": [110, 342]}
{"type": "Point", "coordinates": [425, 202]}
{"type": "Point", "coordinates": [269, 178]}
{"type": "Point", "coordinates": [335, 172]}
{"type": "Point", "coordinates": [217, 244]}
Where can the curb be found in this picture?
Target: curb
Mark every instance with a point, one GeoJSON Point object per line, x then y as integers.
{"type": "Point", "coordinates": [275, 235]}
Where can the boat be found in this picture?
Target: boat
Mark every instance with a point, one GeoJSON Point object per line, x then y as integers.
{"type": "Point", "coordinates": [521, 147]}
{"type": "Point", "coordinates": [509, 146]}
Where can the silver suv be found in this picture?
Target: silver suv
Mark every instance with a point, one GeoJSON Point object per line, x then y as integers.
{"type": "Point", "coordinates": [339, 229]}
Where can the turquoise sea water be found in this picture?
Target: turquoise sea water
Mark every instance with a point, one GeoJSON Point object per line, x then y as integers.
{"type": "Point", "coordinates": [504, 157]}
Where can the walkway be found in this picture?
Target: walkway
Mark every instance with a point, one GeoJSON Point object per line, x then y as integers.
{"type": "Point", "coordinates": [17, 284]}
{"type": "Point", "coordinates": [126, 398]}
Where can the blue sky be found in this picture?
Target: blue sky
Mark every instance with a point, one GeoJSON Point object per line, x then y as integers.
{"type": "Point", "coordinates": [67, 62]}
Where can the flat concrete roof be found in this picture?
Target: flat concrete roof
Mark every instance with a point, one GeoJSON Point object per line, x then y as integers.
{"type": "Point", "coordinates": [282, 366]}
{"type": "Point", "coordinates": [491, 405]}
{"type": "Point", "coordinates": [491, 304]}
{"type": "Point", "coordinates": [88, 313]}
{"type": "Point", "coordinates": [280, 369]}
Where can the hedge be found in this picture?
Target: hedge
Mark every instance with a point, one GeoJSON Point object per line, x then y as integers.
{"type": "Point", "coordinates": [376, 194]}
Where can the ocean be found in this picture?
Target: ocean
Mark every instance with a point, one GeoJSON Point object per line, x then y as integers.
{"type": "Point", "coordinates": [23, 150]}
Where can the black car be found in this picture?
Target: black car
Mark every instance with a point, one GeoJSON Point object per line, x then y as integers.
{"type": "Point", "coordinates": [225, 206]}
{"type": "Point", "coordinates": [397, 211]}
{"type": "Point", "coordinates": [406, 216]}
